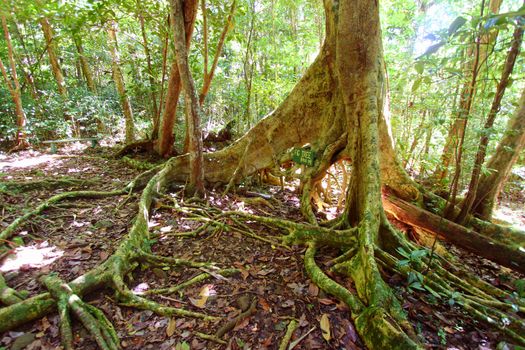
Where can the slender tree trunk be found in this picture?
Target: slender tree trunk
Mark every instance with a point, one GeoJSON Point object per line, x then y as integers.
{"type": "Point", "coordinates": [494, 109]}
{"type": "Point", "coordinates": [208, 76]}
{"type": "Point", "coordinates": [14, 89]}
{"type": "Point", "coordinates": [500, 164]}
{"type": "Point", "coordinates": [84, 65]}
{"type": "Point", "coordinates": [426, 149]}
{"type": "Point", "coordinates": [53, 59]}
{"type": "Point", "coordinates": [415, 141]}
{"type": "Point", "coordinates": [26, 66]}
{"type": "Point", "coordinates": [166, 139]}
{"type": "Point", "coordinates": [247, 69]}
{"type": "Point", "coordinates": [151, 77]}
{"type": "Point", "coordinates": [119, 83]}
{"type": "Point", "coordinates": [454, 137]}
{"type": "Point", "coordinates": [156, 126]}
{"type": "Point", "coordinates": [196, 180]}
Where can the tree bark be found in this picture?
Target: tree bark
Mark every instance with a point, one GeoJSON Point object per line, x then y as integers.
{"type": "Point", "coordinates": [165, 143]}
{"type": "Point", "coordinates": [53, 59]}
{"type": "Point", "coordinates": [118, 78]}
{"type": "Point", "coordinates": [84, 65]}
{"type": "Point", "coordinates": [14, 90]}
{"type": "Point", "coordinates": [155, 131]}
{"type": "Point", "coordinates": [151, 76]}
{"type": "Point", "coordinates": [500, 164]}
{"type": "Point", "coordinates": [196, 180]}
{"type": "Point", "coordinates": [208, 75]}
{"type": "Point", "coordinates": [494, 109]}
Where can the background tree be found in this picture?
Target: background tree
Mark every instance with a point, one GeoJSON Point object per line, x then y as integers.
{"type": "Point", "coordinates": [119, 82]}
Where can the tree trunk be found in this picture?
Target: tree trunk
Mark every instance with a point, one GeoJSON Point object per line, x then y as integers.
{"type": "Point", "coordinates": [196, 180]}
{"type": "Point", "coordinates": [494, 109]}
{"type": "Point", "coordinates": [166, 139]}
{"type": "Point", "coordinates": [151, 76]}
{"type": "Point", "coordinates": [500, 164]}
{"type": "Point", "coordinates": [208, 76]}
{"type": "Point", "coordinates": [156, 121]}
{"type": "Point", "coordinates": [84, 65]}
{"type": "Point", "coordinates": [119, 83]}
{"type": "Point", "coordinates": [14, 90]}
{"type": "Point", "coordinates": [53, 59]}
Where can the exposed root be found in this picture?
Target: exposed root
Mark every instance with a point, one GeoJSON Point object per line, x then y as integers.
{"type": "Point", "coordinates": [292, 326]}
{"type": "Point", "coordinates": [134, 147]}
{"type": "Point", "coordinates": [10, 230]}
{"type": "Point", "coordinates": [157, 260]}
{"type": "Point", "coordinates": [137, 164]}
{"type": "Point", "coordinates": [209, 337]}
{"type": "Point", "coordinates": [194, 280]}
{"type": "Point", "coordinates": [26, 186]}
{"type": "Point", "coordinates": [93, 319]}
{"type": "Point", "coordinates": [477, 303]}
{"type": "Point", "coordinates": [9, 296]}
{"type": "Point", "coordinates": [232, 323]}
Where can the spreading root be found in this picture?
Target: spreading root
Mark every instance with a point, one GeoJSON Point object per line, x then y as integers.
{"type": "Point", "coordinates": [376, 311]}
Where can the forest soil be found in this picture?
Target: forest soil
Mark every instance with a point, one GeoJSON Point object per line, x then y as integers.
{"type": "Point", "coordinates": [72, 238]}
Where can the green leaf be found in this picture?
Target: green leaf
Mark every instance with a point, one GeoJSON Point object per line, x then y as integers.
{"type": "Point", "coordinates": [182, 346]}
{"type": "Point", "coordinates": [520, 287]}
{"type": "Point", "coordinates": [418, 254]}
{"type": "Point", "coordinates": [403, 252]}
{"type": "Point", "coordinates": [433, 49]}
{"type": "Point", "coordinates": [454, 26]}
{"type": "Point", "coordinates": [416, 85]}
{"type": "Point", "coordinates": [419, 67]}
{"type": "Point", "coordinates": [403, 262]}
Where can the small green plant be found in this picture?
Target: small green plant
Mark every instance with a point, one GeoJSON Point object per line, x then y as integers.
{"type": "Point", "coordinates": [411, 257]}
{"type": "Point", "coordinates": [442, 336]}
{"type": "Point", "coordinates": [520, 287]}
{"type": "Point", "coordinates": [414, 278]}
{"type": "Point", "coordinates": [453, 298]}
{"type": "Point", "coordinates": [415, 281]}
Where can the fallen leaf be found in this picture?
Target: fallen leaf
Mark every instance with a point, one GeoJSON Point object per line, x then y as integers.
{"type": "Point", "coordinates": [205, 292]}
{"type": "Point", "coordinates": [313, 290]}
{"type": "Point", "coordinates": [103, 255]}
{"type": "Point", "coordinates": [325, 327]}
{"type": "Point", "coordinates": [325, 301]}
{"type": "Point", "coordinates": [242, 324]}
{"type": "Point", "coordinates": [264, 304]}
{"type": "Point", "coordinates": [172, 326]}
{"type": "Point", "coordinates": [23, 341]}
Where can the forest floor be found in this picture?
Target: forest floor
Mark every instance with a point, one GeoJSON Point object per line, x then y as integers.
{"type": "Point", "coordinates": [74, 236]}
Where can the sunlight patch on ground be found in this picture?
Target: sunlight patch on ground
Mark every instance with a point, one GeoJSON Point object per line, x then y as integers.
{"type": "Point", "coordinates": [514, 217]}
{"type": "Point", "coordinates": [29, 161]}
{"type": "Point", "coordinates": [34, 256]}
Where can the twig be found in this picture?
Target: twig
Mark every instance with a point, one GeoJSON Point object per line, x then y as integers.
{"type": "Point", "coordinates": [300, 339]}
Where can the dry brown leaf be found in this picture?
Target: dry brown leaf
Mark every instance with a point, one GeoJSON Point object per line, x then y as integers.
{"type": "Point", "coordinates": [205, 292]}
{"type": "Point", "coordinates": [313, 290]}
{"type": "Point", "coordinates": [325, 327]}
{"type": "Point", "coordinates": [264, 304]}
{"type": "Point", "coordinates": [172, 326]}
